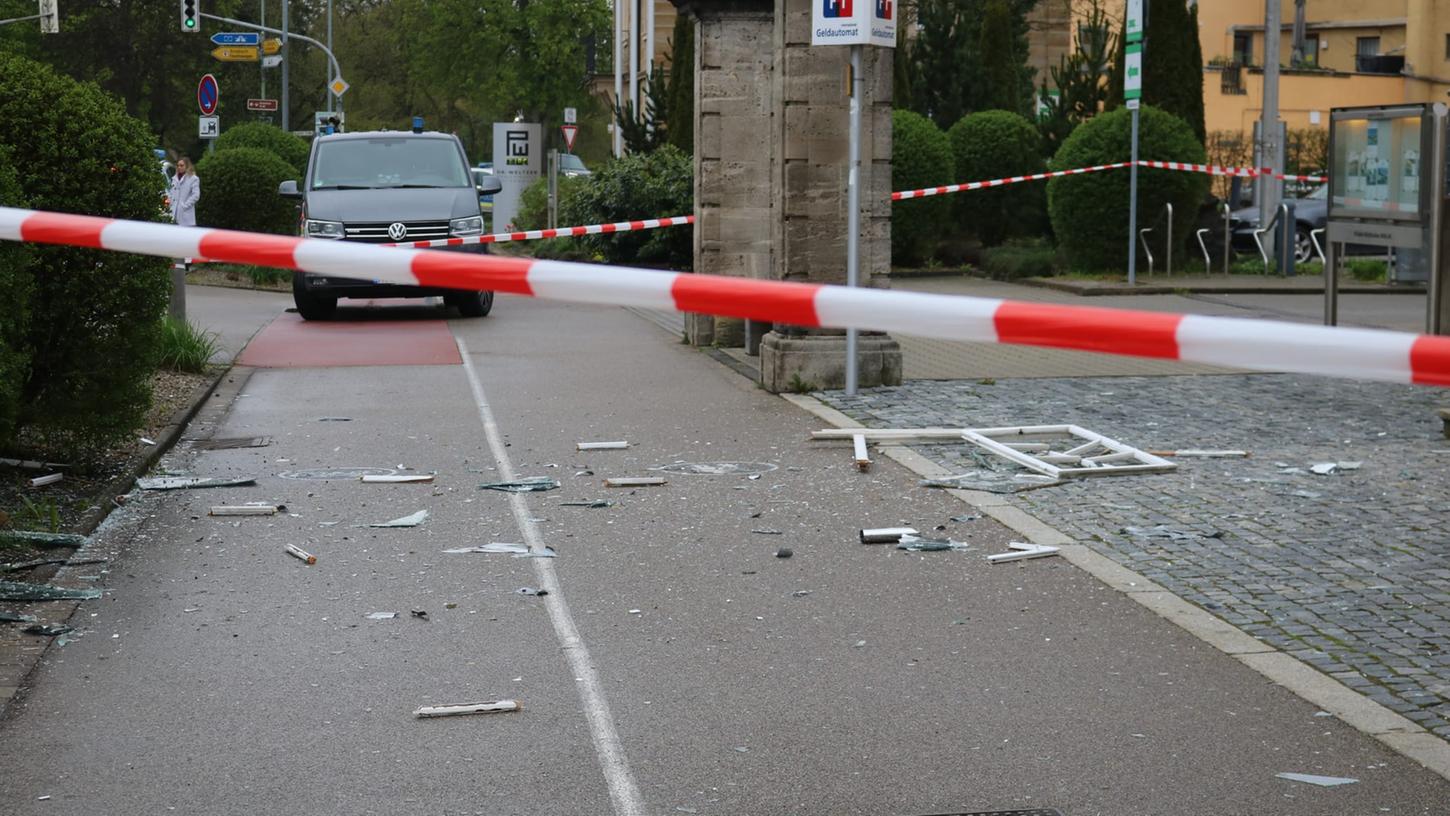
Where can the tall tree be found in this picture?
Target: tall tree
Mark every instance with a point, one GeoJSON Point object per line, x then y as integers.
{"type": "Point", "coordinates": [947, 67]}
{"type": "Point", "coordinates": [1172, 63]}
{"type": "Point", "coordinates": [1001, 63]}
{"type": "Point", "coordinates": [1081, 82]}
{"type": "Point", "coordinates": [682, 84]}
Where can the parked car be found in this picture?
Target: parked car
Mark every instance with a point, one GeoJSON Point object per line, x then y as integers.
{"type": "Point", "coordinates": [1310, 213]}
{"type": "Point", "coordinates": [480, 172]}
{"type": "Point", "coordinates": [571, 165]}
{"type": "Point", "coordinates": [387, 187]}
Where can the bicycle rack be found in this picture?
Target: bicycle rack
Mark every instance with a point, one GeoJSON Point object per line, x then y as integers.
{"type": "Point", "coordinates": [1227, 235]}
{"type": "Point", "coordinates": [1281, 212]}
{"type": "Point", "coordinates": [1318, 248]}
{"type": "Point", "coordinates": [1207, 261]}
{"type": "Point", "coordinates": [1143, 238]}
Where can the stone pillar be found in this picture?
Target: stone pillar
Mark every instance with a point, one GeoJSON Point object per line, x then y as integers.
{"type": "Point", "coordinates": [735, 150]}
{"type": "Point", "coordinates": [814, 114]}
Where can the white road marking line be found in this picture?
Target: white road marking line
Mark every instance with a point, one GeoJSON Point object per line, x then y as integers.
{"type": "Point", "coordinates": [623, 790]}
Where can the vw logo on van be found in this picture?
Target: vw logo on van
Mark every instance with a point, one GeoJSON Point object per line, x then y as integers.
{"type": "Point", "coordinates": [397, 230]}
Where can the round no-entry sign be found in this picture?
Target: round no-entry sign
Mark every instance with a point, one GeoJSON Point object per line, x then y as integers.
{"type": "Point", "coordinates": [207, 95]}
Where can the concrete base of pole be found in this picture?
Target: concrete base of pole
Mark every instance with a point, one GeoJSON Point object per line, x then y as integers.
{"type": "Point", "coordinates": [177, 308]}
{"type": "Point", "coordinates": [815, 361]}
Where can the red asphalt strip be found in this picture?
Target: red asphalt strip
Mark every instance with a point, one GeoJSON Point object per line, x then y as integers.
{"type": "Point", "coordinates": [291, 342]}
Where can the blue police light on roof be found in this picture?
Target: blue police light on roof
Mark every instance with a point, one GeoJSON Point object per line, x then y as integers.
{"type": "Point", "coordinates": [417, 124]}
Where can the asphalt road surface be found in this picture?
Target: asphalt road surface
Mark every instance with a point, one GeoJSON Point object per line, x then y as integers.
{"type": "Point", "coordinates": [677, 665]}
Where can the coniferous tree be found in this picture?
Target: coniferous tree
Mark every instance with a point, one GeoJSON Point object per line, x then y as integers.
{"type": "Point", "coordinates": [1001, 63]}
{"type": "Point", "coordinates": [1172, 63]}
{"type": "Point", "coordinates": [682, 85]}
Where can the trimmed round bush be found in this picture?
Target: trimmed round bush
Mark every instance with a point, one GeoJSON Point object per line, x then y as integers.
{"type": "Point", "coordinates": [921, 156]}
{"type": "Point", "coordinates": [15, 290]}
{"type": "Point", "coordinates": [95, 316]}
{"type": "Point", "coordinates": [991, 145]}
{"type": "Point", "coordinates": [286, 146]}
{"type": "Point", "coordinates": [239, 191]}
{"type": "Point", "coordinates": [639, 185]}
{"type": "Point", "coordinates": [1090, 212]}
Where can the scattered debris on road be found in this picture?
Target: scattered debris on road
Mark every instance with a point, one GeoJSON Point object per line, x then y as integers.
{"type": "Point", "coordinates": [588, 503]}
{"type": "Point", "coordinates": [912, 543]}
{"type": "Point", "coordinates": [16, 617]}
{"type": "Point", "coordinates": [1202, 454]}
{"type": "Point", "coordinates": [301, 554]}
{"type": "Point", "coordinates": [886, 535]}
{"type": "Point", "coordinates": [48, 630]}
{"type": "Point", "coordinates": [532, 484]}
{"type": "Point", "coordinates": [230, 442]}
{"type": "Point", "coordinates": [591, 446]}
{"type": "Point", "coordinates": [396, 478]}
{"type": "Point", "coordinates": [858, 446]}
{"type": "Point", "coordinates": [21, 591]}
{"type": "Point", "coordinates": [190, 482]}
{"type": "Point", "coordinates": [334, 419]}
{"type": "Point", "coordinates": [489, 707]}
{"type": "Point", "coordinates": [495, 547]}
{"type": "Point", "coordinates": [767, 532]}
{"type": "Point", "coordinates": [1171, 533]}
{"type": "Point", "coordinates": [48, 479]}
{"type": "Point", "coordinates": [635, 481]}
{"type": "Point", "coordinates": [717, 468]}
{"type": "Point", "coordinates": [420, 614]}
{"type": "Point", "coordinates": [36, 538]}
{"type": "Point", "coordinates": [532, 591]}
{"type": "Point", "coordinates": [1022, 551]}
{"type": "Point", "coordinates": [1326, 468]}
{"type": "Point", "coordinates": [1314, 779]}
{"type": "Point", "coordinates": [784, 552]}
{"type": "Point", "coordinates": [381, 615]}
{"type": "Point", "coordinates": [966, 518]}
{"type": "Point", "coordinates": [31, 464]}
{"type": "Point", "coordinates": [246, 509]}
{"type": "Point", "coordinates": [406, 521]}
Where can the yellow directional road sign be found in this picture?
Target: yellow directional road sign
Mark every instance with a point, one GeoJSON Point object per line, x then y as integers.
{"type": "Point", "coordinates": [270, 47]}
{"type": "Point", "coordinates": [237, 53]}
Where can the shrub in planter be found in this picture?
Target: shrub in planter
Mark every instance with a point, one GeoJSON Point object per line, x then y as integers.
{"type": "Point", "coordinates": [288, 147]}
{"type": "Point", "coordinates": [991, 145]}
{"type": "Point", "coordinates": [239, 191]}
{"type": "Point", "coordinates": [1090, 211]}
{"type": "Point", "coordinates": [640, 185]}
{"type": "Point", "coordinates": [1012, 262]}
{"type": "Point", "coordinates": [534, 202]}
{"type": "Point", "coordinates": [921, 156]}
{"type": "Point", "coordinates": [95, 316]}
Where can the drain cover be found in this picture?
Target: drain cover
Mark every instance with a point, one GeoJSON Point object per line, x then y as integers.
{"type": "Point", "coordinates": [717, 468]}
{"type": "Point", "coordinates": [321, 474]}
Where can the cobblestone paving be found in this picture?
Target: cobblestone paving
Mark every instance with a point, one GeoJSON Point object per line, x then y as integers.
{"type": "Point", "coordinates": [1348, 572]}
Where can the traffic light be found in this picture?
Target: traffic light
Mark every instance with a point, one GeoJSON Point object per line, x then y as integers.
{"type": "Point", "coordinates": [190, 16]}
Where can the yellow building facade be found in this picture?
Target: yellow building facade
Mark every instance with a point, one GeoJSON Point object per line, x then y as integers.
{"type": "Point", "coordinates": [1356, 52]}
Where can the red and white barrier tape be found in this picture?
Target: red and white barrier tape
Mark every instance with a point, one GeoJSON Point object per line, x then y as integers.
{"type": "Point", "coordinates": [1262, 345]}
{"type": "Point", "coordinates": [560, 232]}
{"type": "Point", "coordinates": [1211, 169]}
{"type": "Point", "coordinates": [978, 185]}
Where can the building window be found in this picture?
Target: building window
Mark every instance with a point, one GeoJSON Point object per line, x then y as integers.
{"type": "Point", "coordinates": [1244, 48]}
{"type": "Point", "coordinates": [1367, 46]}
{"type": "Point", "coordinates": [1447, 46]}
{"type": "Point", "coordinates": [1310, 58]}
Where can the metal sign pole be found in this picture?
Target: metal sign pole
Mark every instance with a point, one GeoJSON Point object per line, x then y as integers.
{"type": "Point", "coordinates": [1133, 201]}
{"type": "Point", "coordinates": [853, 209]}
{"type": "Point", "coordinates": [1435, 313]}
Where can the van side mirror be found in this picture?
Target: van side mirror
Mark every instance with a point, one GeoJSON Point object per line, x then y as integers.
{"type": "Point", "coordinates": [288, 189]}
{"type": "Point", "coordinates": [490, 186]}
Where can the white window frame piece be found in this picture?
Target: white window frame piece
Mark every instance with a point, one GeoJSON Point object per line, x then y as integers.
{"type": "Point", "coordinates": [1115, 459]}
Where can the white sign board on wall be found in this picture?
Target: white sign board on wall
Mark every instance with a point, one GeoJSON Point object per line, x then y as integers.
{"type": "Point", "coordinates": [853, 22]}
{"type": "Point", "coordinates": [517, 162]}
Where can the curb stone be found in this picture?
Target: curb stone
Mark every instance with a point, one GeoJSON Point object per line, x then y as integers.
{"type": "Point", "coordinates": [1395, 731]}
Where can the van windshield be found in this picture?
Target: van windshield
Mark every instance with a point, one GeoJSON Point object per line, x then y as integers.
{"type": "Point", "coordinates": [389, 162]}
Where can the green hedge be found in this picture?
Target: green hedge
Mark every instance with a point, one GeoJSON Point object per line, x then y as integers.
{"type": "Point", "coordinates": [286, 146]}
{"type": "Point", "coordinates": [95, 315]}
{"type": "Point", "coordinates": [1090, 211]}
{"type": "Point", "coordinates": [239, 191]}
{"type": "Point", "coordinates": [921, 156]}
{"type": "Point", "coordinates": [15, 290]}
{"type": "Point", "coordinates": [1016, 262]}
{"type": "Point", "coordinates": [534, 202]}
{"type": "Point", "coordinates": [991, 145]}
{"type": "Point", "coordinates": [640, 185]}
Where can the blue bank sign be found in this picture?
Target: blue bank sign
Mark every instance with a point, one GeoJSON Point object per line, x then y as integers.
{"type": "Point", "coordinates": [853, 22]}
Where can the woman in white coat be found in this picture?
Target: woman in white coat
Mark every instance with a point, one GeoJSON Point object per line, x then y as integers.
{"type": "Point", "coordinates": [185, 192]}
